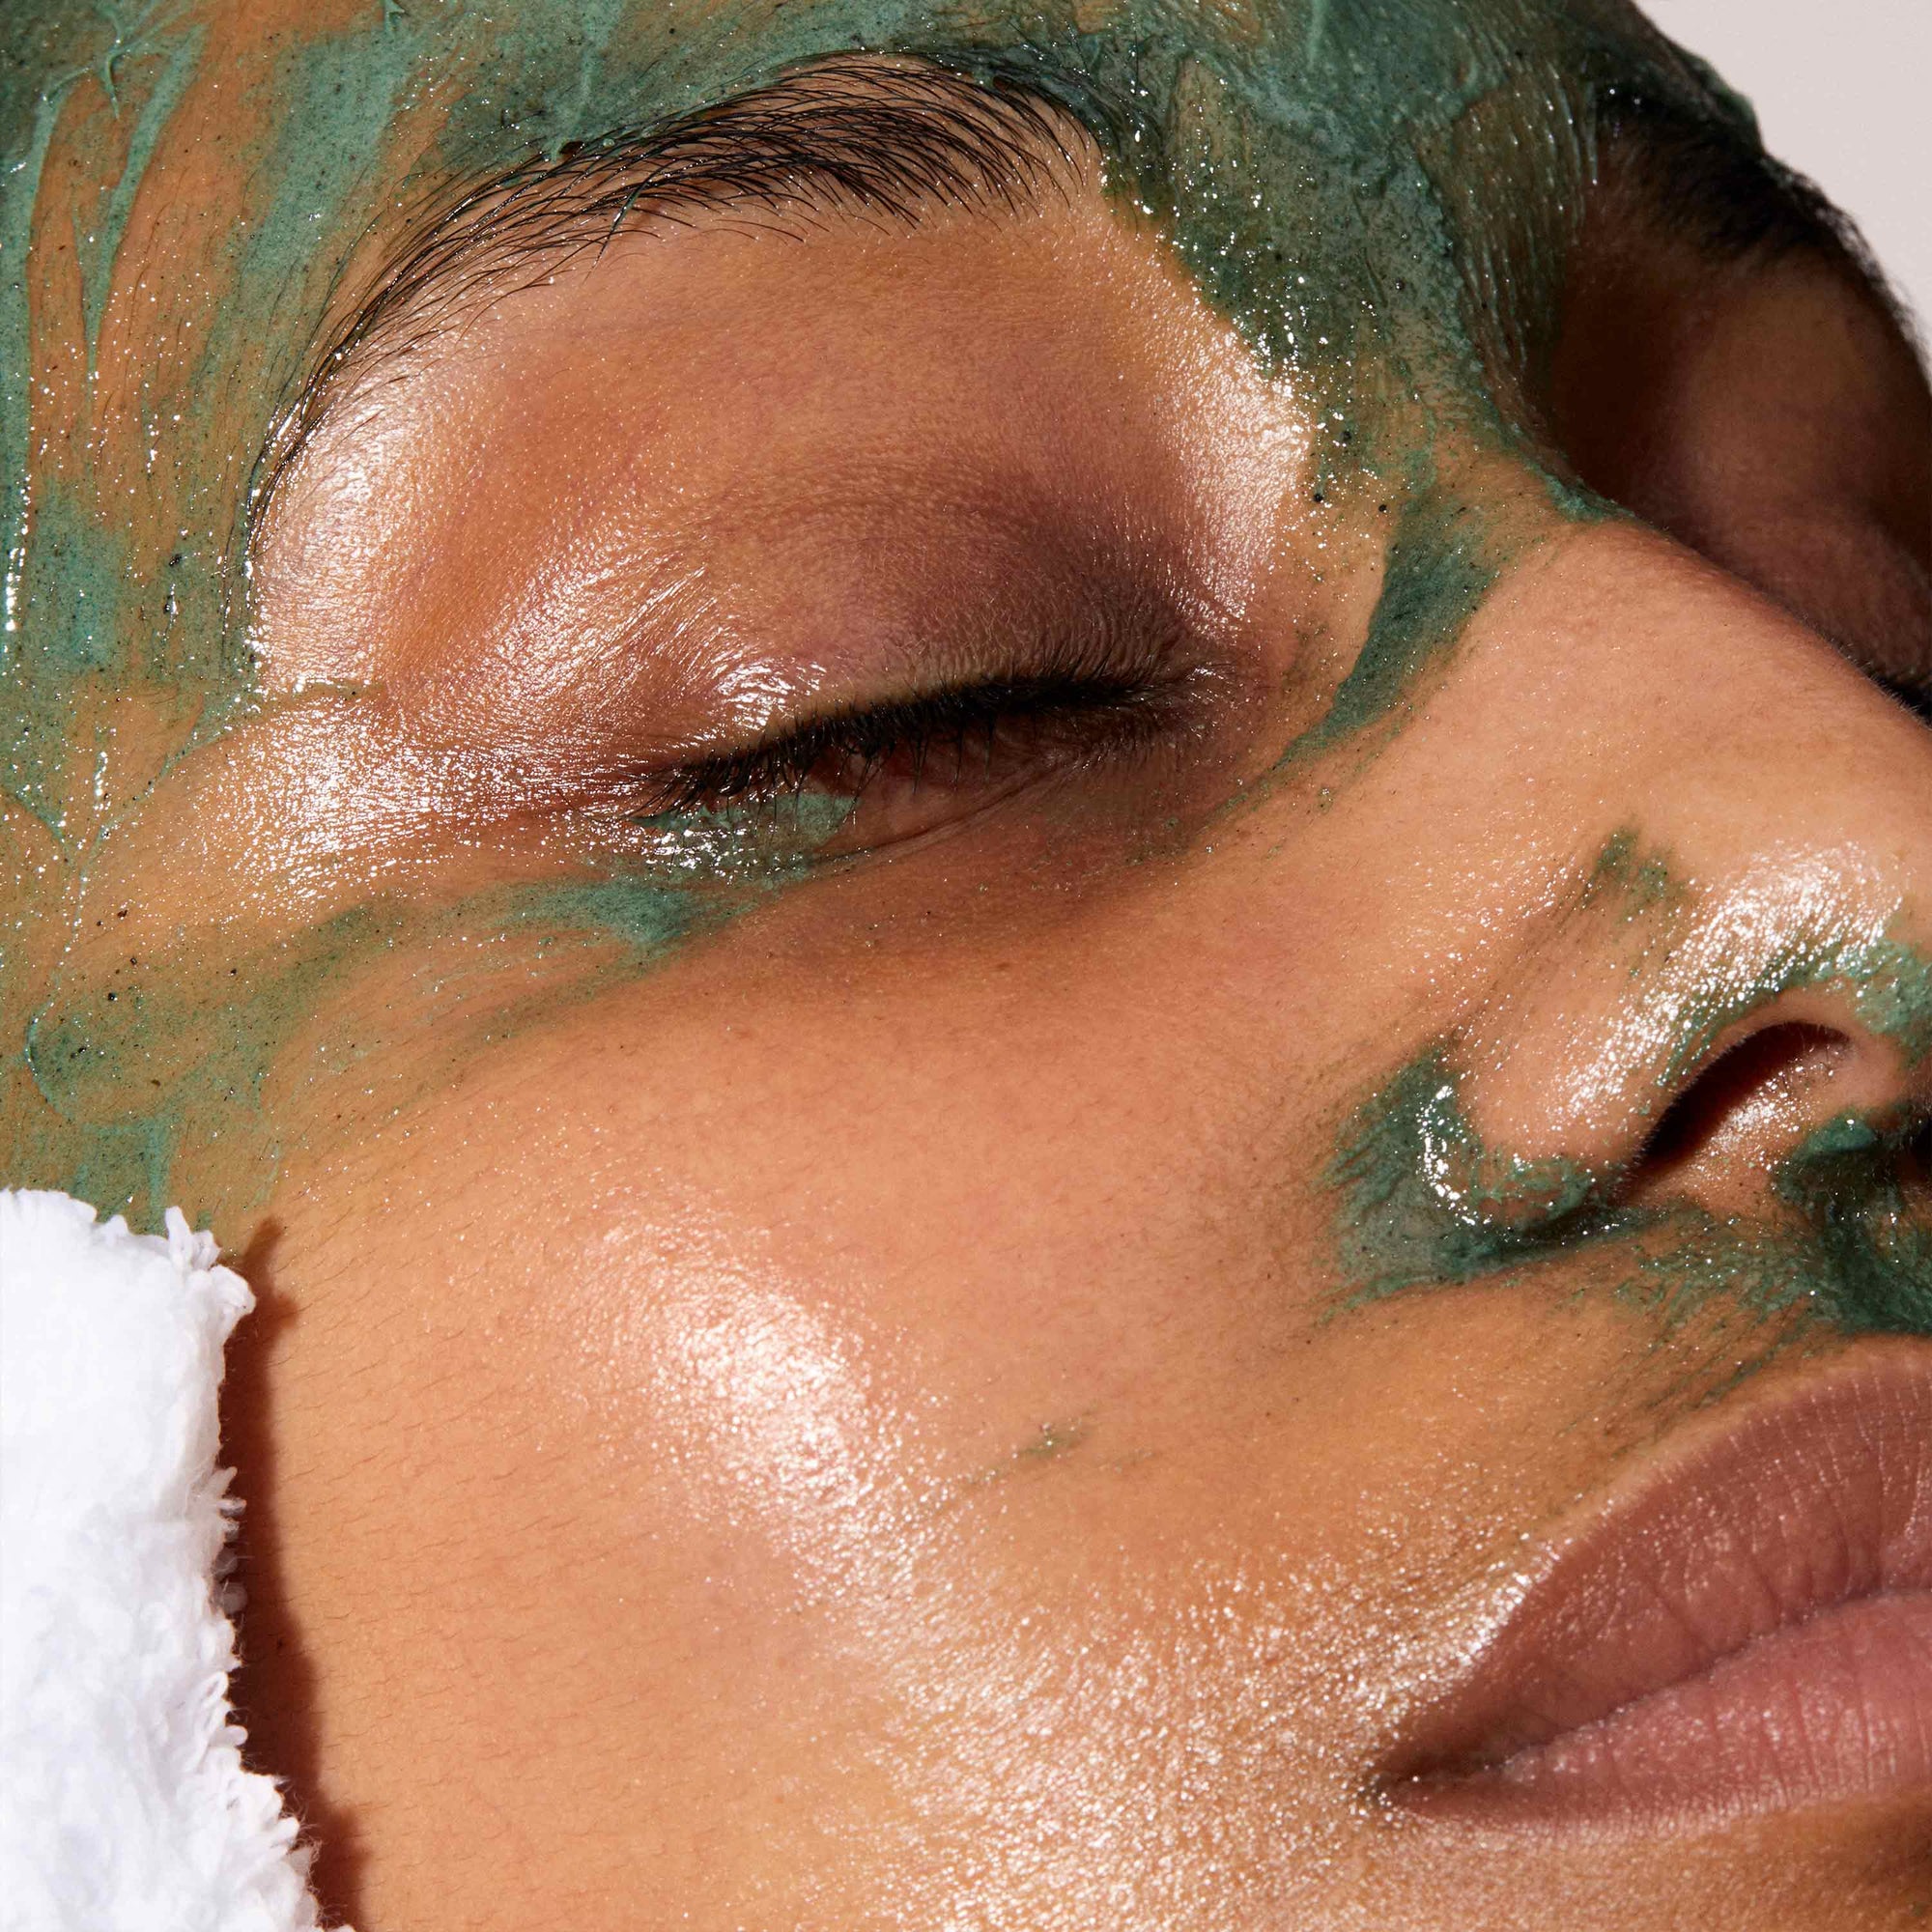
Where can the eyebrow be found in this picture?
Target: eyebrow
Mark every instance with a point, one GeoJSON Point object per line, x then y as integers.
{"type": "Point", "coordinates": [892, 140]}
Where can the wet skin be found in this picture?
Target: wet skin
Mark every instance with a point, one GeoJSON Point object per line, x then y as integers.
{"type": "Point", "coordinates": [909, 1338]}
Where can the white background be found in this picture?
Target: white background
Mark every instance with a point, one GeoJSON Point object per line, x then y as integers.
{"type": "Point", "coordinates": [1843, 93]}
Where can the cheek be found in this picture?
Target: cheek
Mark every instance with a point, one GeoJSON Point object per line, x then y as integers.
{"type": "Point", "coordinates": [787, 1258]}
{"type": "Point", "coordinates": [815, 1484]}
{"type": "Point", "coordinates": [834, 1399]}
{"type": "Point", "coordinates": [979, 1504]}
{"type": "Point", "coordinates": [791, 1256]}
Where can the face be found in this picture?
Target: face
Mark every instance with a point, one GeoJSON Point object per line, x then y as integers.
{"type": "Point", "coordinates": [1051, 917]}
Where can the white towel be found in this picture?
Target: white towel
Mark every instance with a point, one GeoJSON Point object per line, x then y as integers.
{"type": "Point", "coordinates": [123, 1805]}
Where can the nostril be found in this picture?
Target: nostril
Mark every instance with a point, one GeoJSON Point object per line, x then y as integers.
{"type": "Point", "coordinates": [1720, 1137]}
{"type": "Point", "coordinates": [1915, 1161]}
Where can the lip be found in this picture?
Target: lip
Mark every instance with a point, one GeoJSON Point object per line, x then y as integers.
{"type": "Point", "coordinates": [1743, 1626]}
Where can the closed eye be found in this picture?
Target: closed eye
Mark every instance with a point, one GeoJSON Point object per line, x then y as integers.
{"type": "Point", "coordinates": [1118, 681]}
{"type": "Point", "coordinates": [979, 735]}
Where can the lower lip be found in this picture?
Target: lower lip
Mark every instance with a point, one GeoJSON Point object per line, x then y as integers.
{"type": "Point", "coordinates": [1836, 1707]}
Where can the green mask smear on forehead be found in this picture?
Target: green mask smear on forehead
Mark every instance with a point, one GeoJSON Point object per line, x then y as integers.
{"type": "Point", "coordinates": [1330, 175]}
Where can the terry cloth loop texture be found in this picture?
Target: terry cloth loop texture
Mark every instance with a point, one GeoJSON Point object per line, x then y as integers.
{"type": "Point", "coordinates": [124, 1805]}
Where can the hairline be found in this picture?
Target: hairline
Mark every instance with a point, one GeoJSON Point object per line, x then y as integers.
{"type": "Point", "coordinates": [1713, 185]}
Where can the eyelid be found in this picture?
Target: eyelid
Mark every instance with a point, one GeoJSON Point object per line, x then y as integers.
{"type": "Point", "coordinates": [1125, 673]}
{"type": "Point", "coordinates": [869, 736]}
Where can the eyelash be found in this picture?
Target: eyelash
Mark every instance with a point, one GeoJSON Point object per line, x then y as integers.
{"type": "Point", "coordinates": [956, 736]}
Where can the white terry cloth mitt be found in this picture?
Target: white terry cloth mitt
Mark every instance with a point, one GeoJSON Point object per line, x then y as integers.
{"type": "Point", "coordinates": [123, 1805]}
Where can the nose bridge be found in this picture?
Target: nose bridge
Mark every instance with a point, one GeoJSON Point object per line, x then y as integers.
{"type": "Point", "coordinates": [1758, 898]}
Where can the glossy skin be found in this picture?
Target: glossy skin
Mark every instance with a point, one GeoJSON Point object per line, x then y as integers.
{"type": "Point", "coordinates": [859, 1415]}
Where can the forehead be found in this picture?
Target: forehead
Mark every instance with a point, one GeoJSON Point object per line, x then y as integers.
{"type": "Point", "coordinates": [1275, 134]}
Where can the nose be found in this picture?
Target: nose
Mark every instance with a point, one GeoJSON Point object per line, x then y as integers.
{"type": "Point", "coordinates": [1740, 1120]}
{"type": "Point", "coordinates": [1743, 955]}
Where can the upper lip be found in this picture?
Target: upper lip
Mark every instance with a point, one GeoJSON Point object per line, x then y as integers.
{"type": "Point", "coordinates": [1744, 1623]}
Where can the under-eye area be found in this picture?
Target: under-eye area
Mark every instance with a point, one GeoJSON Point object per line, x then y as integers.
{"type": "Point", "coordinates": [1044, 895]}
